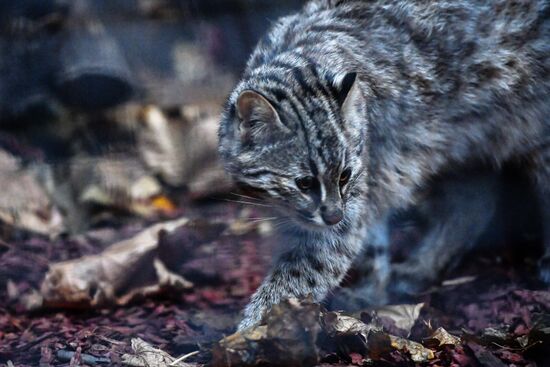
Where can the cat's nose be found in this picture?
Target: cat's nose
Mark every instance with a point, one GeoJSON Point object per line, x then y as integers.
{"type": "Point", "coordinates": [331, 216]}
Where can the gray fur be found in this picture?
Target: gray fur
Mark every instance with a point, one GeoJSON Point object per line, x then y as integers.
{"type": "Point", "coordinates": [438, 84]}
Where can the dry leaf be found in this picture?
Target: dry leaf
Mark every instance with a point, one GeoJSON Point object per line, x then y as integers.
{"type": "Point", "coordinates": [337, 325]}
{"type": "Point", "coordinates": [416, 351]}
{"type": "Point", "coordinates": [116, 181]}
{"type": "Point", "coordinates": [24, 203]}
{"type": "Point", "coordinates": [404, 316]}
{"type": "Point", "coordinates": [376, 342]}
{"type": "Point", "coordinates": [287, 339]}
{"type": "Point", "coordinates": [125, 270]}
{"type": "Point", "coordinates": [183, 151]}
{"type": "Point", "coordinates": [146, 355]}
{"type": "Point", "coordinates": [441, 337]}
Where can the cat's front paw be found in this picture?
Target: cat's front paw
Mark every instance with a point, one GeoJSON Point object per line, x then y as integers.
{"type": "Point", "coordinates": [248, 322]}
{"type": "Point", "coordinates": [253, 314]}
{"type": "Point", "coordinates": [544, 269]}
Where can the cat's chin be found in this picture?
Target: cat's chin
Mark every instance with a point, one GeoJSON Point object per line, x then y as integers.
{"type": "Point", "coordinates": [311, 226]}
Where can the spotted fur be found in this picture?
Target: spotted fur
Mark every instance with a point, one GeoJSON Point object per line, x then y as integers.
{"type": "Point", "coordinates": [395, 90]}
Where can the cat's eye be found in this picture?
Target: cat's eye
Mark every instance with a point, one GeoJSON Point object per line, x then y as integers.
{"type": "Point", "coordinates": [345, 176]}
{"type": "Point", "coordinates": [305, 183]}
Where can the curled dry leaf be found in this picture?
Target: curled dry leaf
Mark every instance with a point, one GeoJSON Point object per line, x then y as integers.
{"type": "Point", "coordinates": [119, 182]}
{"type": "Point", "coordinates": [337, 325]}
{"type": "Point", "coordinates": [183, 151]}
{"type": "Point", "coordinates": [416, 351]}
{"type": "Point", "coordinates": [441, 337]}
{"type": "Point", "coordinates": [404, 316]}
{"type": "Point", "coordinates": [125, 270]}
{"type": "Point", "coordinates": [375, 341]}
{"type": "Point", "coordinates": [24, 202]}
{"type": "Point", "coordinates": [288, 338]}
{"type": "Point", "coordinates": [145, 355]}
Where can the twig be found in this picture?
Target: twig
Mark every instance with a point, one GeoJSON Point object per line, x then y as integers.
{"type": "Point", "coordinates": [67, 355]}
{"type": "Point", "coordinates": [36, 341]}
{"type": "Point", "coordinates": [522, 349]}
{"type": "Point", "coordinates": [109, 340]}
{"type": "Point", "coordinates": [183, 358]}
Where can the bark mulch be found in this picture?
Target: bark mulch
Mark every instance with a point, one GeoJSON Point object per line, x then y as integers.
{"type": "Point", "coordinates": [501, 315]}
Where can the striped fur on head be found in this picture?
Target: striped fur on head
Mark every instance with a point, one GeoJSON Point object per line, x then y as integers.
{"type": "Point", "coordinates": [291, 119]}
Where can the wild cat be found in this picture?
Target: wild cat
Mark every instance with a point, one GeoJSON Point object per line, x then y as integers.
{"type": "Point", "coordinates": [348, 108]}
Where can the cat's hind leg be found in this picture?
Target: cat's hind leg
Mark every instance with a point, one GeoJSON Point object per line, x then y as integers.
{"type": "Point", "coordinates": [458, 211]}
{"type": "Point", "coordinates": [431, 236]}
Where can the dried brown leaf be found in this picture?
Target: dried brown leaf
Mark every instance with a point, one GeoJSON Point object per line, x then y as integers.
{"type": "Point", "coordinates": [404, 316]}
{"type": "Point", "coordinates": [125, 270]}
{"type": "Point", "coordinates": [416, 351]}
{"type": "Point", "coordinates": [337, 325]}
{"type": "Point", "coordinates": [24, 203]}
{"type": "Point", "coordinates": [376, 342]}
{"type": "Point", "coordinates": [288, 338]}
{"type": "Point", "coordinates": [145, 355]}
{"type": "Point", "coordinates": [441, 337]}
{"type": "Point", "coordinates": [183, 151]}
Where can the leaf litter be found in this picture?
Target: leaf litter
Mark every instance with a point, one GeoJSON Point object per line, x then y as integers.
{"type": "Point", "coordinates": [180, 287]}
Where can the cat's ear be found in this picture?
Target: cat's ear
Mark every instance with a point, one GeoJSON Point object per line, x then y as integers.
{"type": "Point", "coordinates": [257, 116]}
{"type": "Point", "coordinates": [351, 99]}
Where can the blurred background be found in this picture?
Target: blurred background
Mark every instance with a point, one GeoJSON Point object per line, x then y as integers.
{"type": "Point", "coordinates": [109, 108]}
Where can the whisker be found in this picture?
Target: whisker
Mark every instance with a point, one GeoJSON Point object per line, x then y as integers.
{"type": "Point", "coordinates": [252, 220]}
{"type": "Point", "coordinates": [245, 196]}
{"type": "Point", "coordinates": [247, 203]}
{"type": "Point", "coordinates": [260, 221]}
{"type": "Point", "coordinates": [281, 223]}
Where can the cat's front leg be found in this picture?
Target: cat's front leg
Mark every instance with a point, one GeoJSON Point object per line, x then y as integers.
{"type": "Point", "coordinates": [313, 264]}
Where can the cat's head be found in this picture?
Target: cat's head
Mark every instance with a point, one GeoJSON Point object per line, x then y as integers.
{"type": "Point", "coordinates": [301, 147]}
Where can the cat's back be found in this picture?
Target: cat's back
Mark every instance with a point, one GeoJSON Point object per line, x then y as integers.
{"type": "Point", "coordinates": [448, 32]}
{"type": "Point", "coordinates": [456, 56]}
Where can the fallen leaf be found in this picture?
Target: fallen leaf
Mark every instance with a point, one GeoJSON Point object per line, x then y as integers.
{"type": "Point", "coordinates": [499, 336]}
{"type": "Point", "coordinates": [115, 181]}
{"type": "Point", "coordinates": [484, 356]}
{"type": "Point", "coordinates": [145, 355]}
{"type": "Point", "coordinates": [404, 316]}
{"type": "Point", "coordinates": [123, 271]}
{"type": "Point", "coordinates": [337, 325]}
{"type": "Point", "coordinates": [24, 203]}
{"type": "Point", "coordinates": [288, 338]}
{"type": "Point", "coordinates": [183, 150]}
{"type": "Point", "coordinates": [441, 337]}
{"type": "Point", "coordinates": [376, 342]}
{"type": "Point", "coordinates": [416, 351]}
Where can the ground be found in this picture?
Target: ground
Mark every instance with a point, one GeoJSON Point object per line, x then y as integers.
{"type": "Point", "coordinates": [498, 308]}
